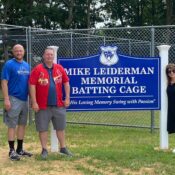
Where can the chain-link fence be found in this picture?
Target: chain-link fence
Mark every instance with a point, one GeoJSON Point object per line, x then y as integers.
{"type": "Point", "coordinates": [134, 41]}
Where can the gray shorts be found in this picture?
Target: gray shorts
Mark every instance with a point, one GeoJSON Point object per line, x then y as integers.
{"type": "Point", "coordinates": [17, 115]}
{"type": "Point", "coordinates": [57, 115]}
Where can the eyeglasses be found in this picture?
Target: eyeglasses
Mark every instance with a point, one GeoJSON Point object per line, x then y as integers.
{"type": "Point", "coordinates": [169, 71]}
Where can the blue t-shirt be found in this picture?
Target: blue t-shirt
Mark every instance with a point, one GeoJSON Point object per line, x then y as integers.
{"type": "Point", "coordinates": [17, 75]}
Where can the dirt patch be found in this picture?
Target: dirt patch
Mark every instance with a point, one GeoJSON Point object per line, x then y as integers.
{"type": "Point", "coordinates": [35, 166]}
{"type": "Point", "coordinates": [142, 171]}
{"type": "Point", "coordinates": [32, 166]}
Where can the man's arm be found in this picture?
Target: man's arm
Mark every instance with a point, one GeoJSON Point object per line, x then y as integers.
{"type": "Point", "coordinates": [35, 106]}
{"type": "Point", "coordinates": [67, 94]}
{"type": "Point", "coordinates": [7, 104]}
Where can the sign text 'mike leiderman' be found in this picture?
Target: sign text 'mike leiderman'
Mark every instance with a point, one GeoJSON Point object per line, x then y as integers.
{"type": "Point", "coordinates": [101, 77]}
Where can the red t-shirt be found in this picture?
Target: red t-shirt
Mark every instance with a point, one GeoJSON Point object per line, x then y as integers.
{"type": "Point", "coordinates": [40, 78]}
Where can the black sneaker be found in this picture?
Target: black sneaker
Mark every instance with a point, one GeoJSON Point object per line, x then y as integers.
{"type": "Point", "coordinates": [13, 155]}
{"type": "Point", "coordinates": [24, 153]}
{"type": "Point", "coordinates": [44, 153]}
{"type": "Point", "coordinates": [65, 151]}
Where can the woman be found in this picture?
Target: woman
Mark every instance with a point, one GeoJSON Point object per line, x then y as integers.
{"type": "Point", "coordinates": [170, 73]}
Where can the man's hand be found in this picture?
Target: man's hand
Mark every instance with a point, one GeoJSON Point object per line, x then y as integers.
{"type": "Point", "coordinates": [35, 107]}
{"type": "Point", "coordinates": [7, 104]}
{"type": "Point", "coordinates": [67, 102]}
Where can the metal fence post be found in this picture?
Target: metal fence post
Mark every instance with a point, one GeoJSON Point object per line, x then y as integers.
{"type": "Point", "coordinates": [29, 59]}
{"type": "Point", "coordinates": [152, 55]}
{"type": "Point", "coordinates": [71, 45]}
{"type": "Point", "coordinates": [129, 42]}
{"type": "Point", "coordinates": [104, 41]}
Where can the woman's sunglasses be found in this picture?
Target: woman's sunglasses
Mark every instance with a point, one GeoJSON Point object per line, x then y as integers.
{"type": "Point", "coordinates": [169, 71]}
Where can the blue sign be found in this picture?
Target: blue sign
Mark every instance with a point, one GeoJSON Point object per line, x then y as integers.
{"type": "Point", "coordinates": [109, 81]}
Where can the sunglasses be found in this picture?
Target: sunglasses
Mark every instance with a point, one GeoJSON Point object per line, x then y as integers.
{"type": "Point", "coordinates": [169, 71]}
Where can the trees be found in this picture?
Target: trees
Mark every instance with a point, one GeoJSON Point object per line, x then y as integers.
{"type": "Point", "coordinates": [170, 12]}
{"type": "Point", "coordinates": [66, 14]}
{"type": "Point", "coordinates": [136, 12]}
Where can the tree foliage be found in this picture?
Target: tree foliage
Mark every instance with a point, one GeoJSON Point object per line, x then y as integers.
{"type": "Point", "coordinates": [72, 14]}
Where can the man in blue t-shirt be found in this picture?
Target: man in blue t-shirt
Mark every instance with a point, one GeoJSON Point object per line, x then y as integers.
{"type": "Point", "coordinates": [14, 81]}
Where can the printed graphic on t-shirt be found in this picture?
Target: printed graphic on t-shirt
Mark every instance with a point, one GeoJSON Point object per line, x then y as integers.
{"type": "Point", "coordinates": [42, 80]}
{"type": "Point", "coordinates": [23, 71]}
{"type": "Point", "coordinates": [58, 77]}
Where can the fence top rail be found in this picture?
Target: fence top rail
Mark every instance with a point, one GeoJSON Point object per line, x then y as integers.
{"type": "Point", "coordinates": [90, 29]}
{"type": "Point", "coordinates": [11, 26]}
{"type": "Point", "coordinates": [62, 33]}
{"type": "Point", "coordinates": [119, 28]}
{"type": "Point", "coordinates": [104, 28]}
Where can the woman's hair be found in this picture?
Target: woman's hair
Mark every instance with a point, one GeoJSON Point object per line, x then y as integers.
{"type": "Point", "coordinates": [169, 67]}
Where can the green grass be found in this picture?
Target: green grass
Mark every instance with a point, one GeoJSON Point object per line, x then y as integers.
{"type": "Point", "coordinates": [100, 150]}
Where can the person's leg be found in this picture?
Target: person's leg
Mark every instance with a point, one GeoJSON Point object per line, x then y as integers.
{"type": "Point", "coordinates": [11, 120]}
{"type": "Point", "coordinates": [11, 138]}
{"type": "Point", "coordinates": [22, 122]}
{"type": "Point", "coordinates": [61, 138]}
{"type": "Point", "coordinates": [59, 124]}
{"type": "Point", "coordinates": [20, 137]}
{"type": "Point", "coordinates": [43, 136]}
{"type": "Point", "coordinates": [42, 119]}
{"type": "Point", "coordinates": [20, 132]}
{"type": "Point", "coordinates": [11, 141]}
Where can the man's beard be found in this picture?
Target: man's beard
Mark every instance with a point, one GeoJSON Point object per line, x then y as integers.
{"type": "Point", "coordinates": [19, 59]}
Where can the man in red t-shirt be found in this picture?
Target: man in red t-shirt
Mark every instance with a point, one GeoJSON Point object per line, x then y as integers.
{"type": "Point", "coordinates": [46, 82]}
